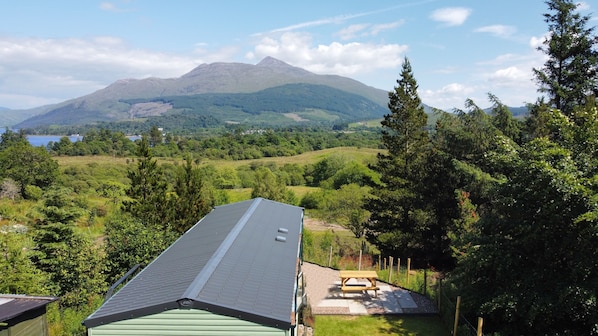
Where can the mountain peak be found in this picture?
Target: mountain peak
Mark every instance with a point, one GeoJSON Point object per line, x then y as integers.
{"type": "Point", "coordinates": [272, 62]}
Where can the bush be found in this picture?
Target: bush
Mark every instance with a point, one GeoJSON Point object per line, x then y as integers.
{"type": "Point", "coordinates": [33, 192]}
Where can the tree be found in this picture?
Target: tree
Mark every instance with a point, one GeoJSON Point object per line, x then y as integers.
{"type": "Point", "coordinates": [10, 189]}
{"type": "Point", "coordinates": [345, 206]}
{"type": "Point", "coordinates": [72, 262]}
{"type": "Point", "coordinates": [192, 198]}
{"type": "Point", "coordinates": [401, 220]}
{"type": "Point", "coordinates": [130, 242]}
{"type": "Point", "coordinates": [148, 191]}
{"type": "Point", "coordinates": [9, 138]}
{"type": "Point", "coordinates": [19, 274]}
{"type": "Point", "coordinates": [532, 270]}
{"type": "Point", "coordinates": [28, 165]}
{"type": "Point", "coordinates": [268, 186]}
{"type": "Point", "coordinates": [155, 136]}
{"type": "Point", "coordinates": [569, 73]}
{"type": "Point", "coordinates": [502, 119]}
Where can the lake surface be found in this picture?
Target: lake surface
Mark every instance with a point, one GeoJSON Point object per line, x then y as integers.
{"type": "Point", "coordinates": [44, 140]}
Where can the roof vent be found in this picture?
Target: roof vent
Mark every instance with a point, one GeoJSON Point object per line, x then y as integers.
{"type": "Point", "coordinates": [281, 239]}
{"type": "Point", "coordinates": [283, 230]}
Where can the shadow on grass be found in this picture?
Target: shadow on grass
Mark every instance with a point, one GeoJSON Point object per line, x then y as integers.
{"type": "Point", "coordinates": [380, 325]}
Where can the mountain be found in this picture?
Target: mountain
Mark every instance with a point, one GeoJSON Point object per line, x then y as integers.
{"type": "Point", "coordinates": [131, 99]}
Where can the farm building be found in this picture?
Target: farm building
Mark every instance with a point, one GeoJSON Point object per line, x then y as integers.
{"type": "Point", "coordinates": [236, 272]}
{"type": "Point", "coordinates": [23, 315]}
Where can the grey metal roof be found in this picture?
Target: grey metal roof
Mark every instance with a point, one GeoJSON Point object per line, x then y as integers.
{"type": "Point", "coordinates": [12, 305]}
{"type": "Point", "coordinates": [231, 262]}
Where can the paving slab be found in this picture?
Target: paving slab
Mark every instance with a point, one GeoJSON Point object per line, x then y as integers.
{"type": "Point", "coordinates": [325, 296]}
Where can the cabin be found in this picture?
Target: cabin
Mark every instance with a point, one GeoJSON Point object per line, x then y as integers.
{"type": "Point", "coordinates": [24, 314]}
{"type": "Point", "coordinates": [235, 272]}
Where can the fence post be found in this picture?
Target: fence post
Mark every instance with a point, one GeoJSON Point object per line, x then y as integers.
{"type": "Point", "coordinates": [480, 323]}
{"type": "Point", "coordinates": [379, 261]}
{"type": "Point", "coordinates": [389, 269]}
{"type": "Point", "coordinates": [408, 269]}
{"type": "Point", "coordinates": [456, 315]}
{"type": "Point", "coordinates": [398, 267]}
{"type": "Point", "coordinates": [360, 254]}
{"type": "Point", "coordinates": [330, 257]}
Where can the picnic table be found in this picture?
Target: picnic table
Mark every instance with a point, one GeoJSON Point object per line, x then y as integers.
{"type": "Point", "coordinates": [371, 276]}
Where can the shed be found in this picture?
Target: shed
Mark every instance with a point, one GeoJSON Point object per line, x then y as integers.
{"type": "Point", "coordinates": [23, 315]}
{"type": "Point", "coordinates": [236, 272]}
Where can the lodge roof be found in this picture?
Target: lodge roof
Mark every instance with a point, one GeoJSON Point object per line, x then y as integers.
{"type": "Point", "coordinates": [239, 260]}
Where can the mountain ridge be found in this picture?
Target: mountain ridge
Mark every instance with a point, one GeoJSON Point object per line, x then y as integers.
{"type": "Point", "coordinates": [107, 103]}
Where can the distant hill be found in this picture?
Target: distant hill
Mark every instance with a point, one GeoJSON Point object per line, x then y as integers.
{"type": "Point", "coordinates": [518, 112]}
{"type": "Point", "coordinates": [120, 100]}
{"type": "Point", "coordinates": [9, 117]}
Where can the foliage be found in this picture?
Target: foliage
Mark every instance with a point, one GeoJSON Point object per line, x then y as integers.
{"type": "Point", "coordinates": [130, 242]}
{"type": "Point", "coordinates": [28, 165]}
{"type": "Point", "coordinates": [72, 262]}
{"type": "Point", "coordinates": [19, 274]}
{"type": "Point", "coordinates": [290, 98]}
{"type": "Point", "coordinates": [409, 213]}
{"type": "Point", "coordinates": [9, 189]}
{"type": "Point", "coordinates": [268, 186]}
{"type": "Point", "coordinates": [191, 197]}
{"type": "Point", "coordinates": [345, 207]}
{"type": "Point", "coordinates": [10, 138]}
{"type": "Point", "coordinates": [569, 73]}
{"type": "Point", "coordinates": [526, 239]}
{"type": "Point", "coordinates": [147, 193]}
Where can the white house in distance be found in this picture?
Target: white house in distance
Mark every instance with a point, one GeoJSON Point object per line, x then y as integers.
{"type": "Point", "coordinates": [236, 272]}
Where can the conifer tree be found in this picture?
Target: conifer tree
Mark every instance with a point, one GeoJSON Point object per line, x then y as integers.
{"type": "Point", "coordinates": [147, 193]}
{"type": "Point", "coordinates": [400, 220]}
{"type": "Point", "coordinates": [569, 74]}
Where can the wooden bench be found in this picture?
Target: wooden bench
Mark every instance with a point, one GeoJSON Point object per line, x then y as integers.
{"type": "Point", "coordinates": [369, 275]}
{"type": "Point", "coordinates": [359, 288]}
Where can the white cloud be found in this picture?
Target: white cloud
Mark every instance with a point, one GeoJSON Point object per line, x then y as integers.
{"type": "Point", "coordinates": [497, 30]}
{"type": "Point", "coordinates": [448, 96]}
{"type": "Point", "coordinates": [67, 68]}
{"type": "Point", "coordinates": [334, 58]}
{"type": "Point", "coordinates": [536, 42]}
{"type": "Point", "coordinates": [365, 29]}
{"type": "Point", "coordinates": [376, 29]}
{"type": "Point", "coordinates": [352, 31]}
{"type": "Point", "coordinates": [583, 6]}
{"type": "Point", "coordinates": [451, 16]}
{"type": "Point", "coordinates": [510, 75]}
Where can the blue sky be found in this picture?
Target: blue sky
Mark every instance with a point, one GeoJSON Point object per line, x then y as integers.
{"type": "Point", "coordinates": [51, 51]}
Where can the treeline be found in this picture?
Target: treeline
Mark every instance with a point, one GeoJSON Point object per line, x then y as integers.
{"type": "Point", "coordinates": [236, 144]}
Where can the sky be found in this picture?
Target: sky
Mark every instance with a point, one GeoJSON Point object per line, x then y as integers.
{"type": "Point", "coordinates": [52, 51]}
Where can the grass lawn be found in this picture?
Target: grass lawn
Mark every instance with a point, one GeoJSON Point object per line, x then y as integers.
{"type": "Point", "coordinates": [379, 325]}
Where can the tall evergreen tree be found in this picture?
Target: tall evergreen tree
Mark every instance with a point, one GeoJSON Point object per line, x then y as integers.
{"type": "Point", "coordinates": [71, 260]}
{"type": "Point", "coordinates": [569, 74]}
{"type": "Point", "coordinates": [148, 191]}
{"type": "Point", "coordinates": [401, 221]}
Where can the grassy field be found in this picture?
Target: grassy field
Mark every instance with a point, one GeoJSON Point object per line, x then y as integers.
{"type": "Point", "coordinates": [358, 154]}
{"type": "Point", "coordinates": [379, 325]}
